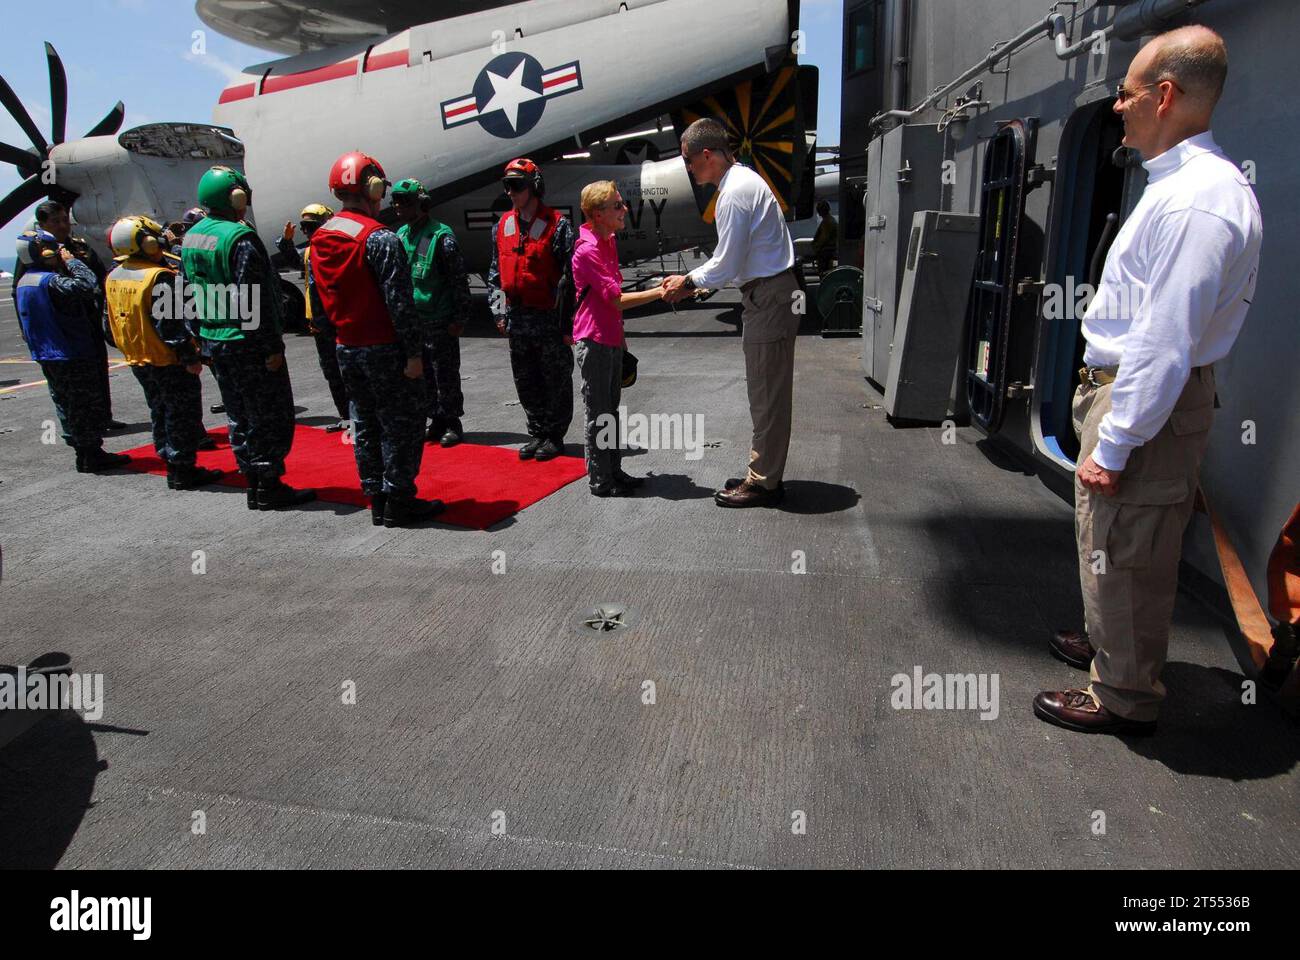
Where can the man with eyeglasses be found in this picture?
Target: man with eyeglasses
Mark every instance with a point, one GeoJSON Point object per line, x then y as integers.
{"type": "Point", "coordinates": [754, 251]}
{"type": "Point", "coordinates": [1174, 293]}
{"type": "Point", "coordinates": [530, 292]}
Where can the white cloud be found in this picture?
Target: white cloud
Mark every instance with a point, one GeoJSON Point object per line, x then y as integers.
{"type": "Point", "coordinates": [214, 63]}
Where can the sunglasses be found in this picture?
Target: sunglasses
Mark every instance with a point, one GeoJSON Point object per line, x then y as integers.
{"type": "Point", "coordinates": [1122, 93]}
{"type": "Point", "coordinates": [514, 186]}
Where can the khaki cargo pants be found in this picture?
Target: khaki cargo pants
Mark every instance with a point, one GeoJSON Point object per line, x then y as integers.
{"type": "Point", "coordinates": [1130, 545]}
{"type": "Point", "coordinates": [768, 337]}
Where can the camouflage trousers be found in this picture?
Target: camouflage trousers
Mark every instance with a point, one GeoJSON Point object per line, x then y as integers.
{"type": "Point", "coordinates": [446, 402]}
{"type": "Point", "coordinates": [543, 370]}
{"type": "Point", "coordinates": [259, 407]}
{"type": "Point", "coordinates": [602, 385]}
{"type": "Point", "coordinates": [329, 366]}
{"type": "Point", "coordinates": [175, 401]}
{"type": "Point", "coordinates": [102, 348]}
{"type": "Point", "coordinates": [77, 391]}
{"type": "Point", "coordinates": [387, 418]}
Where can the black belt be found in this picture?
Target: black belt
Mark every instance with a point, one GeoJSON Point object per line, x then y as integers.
{"type": "Point", "coordinates": [750, 284]}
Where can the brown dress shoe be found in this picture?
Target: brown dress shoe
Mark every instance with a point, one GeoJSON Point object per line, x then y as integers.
{"type": "Point", "coordinates": [1077, 710]}
{"type": "Point", "coordinates": [747, 495]}
{"type": "Point", "coordinates": [1072, 647]}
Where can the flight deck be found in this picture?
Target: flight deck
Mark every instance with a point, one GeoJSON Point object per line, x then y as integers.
{"type": "Point", "coordinates": [641, 682]}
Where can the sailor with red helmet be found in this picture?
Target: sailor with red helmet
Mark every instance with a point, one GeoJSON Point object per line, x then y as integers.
{"type": "Point", "coordinates": [361, 290]}
{"type": "Point", "coordinates": [530, 291]}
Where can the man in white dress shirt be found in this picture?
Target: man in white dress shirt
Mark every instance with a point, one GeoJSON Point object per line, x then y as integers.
{"type": "Point", "coordinates": [1177, 283]}
{"type": "Point", "coordinates": [755, 252]}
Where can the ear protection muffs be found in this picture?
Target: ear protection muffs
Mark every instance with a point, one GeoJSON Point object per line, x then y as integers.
{"type": "Point", "coordinates": [240, 199]}
{"type": "Point", "coordinates": [376, 187]}
{"type": "Point", "coordinates": [149, 244]}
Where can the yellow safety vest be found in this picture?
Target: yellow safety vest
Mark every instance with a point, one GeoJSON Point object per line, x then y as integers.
{"type": "Point", "coordinates": [129, 291]}
{"type": "Point", "coordinates": [306, 279]}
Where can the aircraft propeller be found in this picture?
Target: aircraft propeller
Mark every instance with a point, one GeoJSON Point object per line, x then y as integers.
{"type": "Point", "coordinates": [31, 163]}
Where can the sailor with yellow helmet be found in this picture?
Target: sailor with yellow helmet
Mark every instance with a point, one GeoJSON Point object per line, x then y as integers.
{"type": "Point", "coordinates": [151, 333]}
{"type": "Point", "coordinates": [312, 216]}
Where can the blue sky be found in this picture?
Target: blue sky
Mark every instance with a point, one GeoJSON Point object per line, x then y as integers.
{"type": "Point", "coordinates": [139, 52]}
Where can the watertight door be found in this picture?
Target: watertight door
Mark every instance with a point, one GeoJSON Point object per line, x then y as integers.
{"type": "Point", "coordinates": [993, 294]}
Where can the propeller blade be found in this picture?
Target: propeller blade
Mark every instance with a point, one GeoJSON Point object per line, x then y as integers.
{"type": "Point", "coordinates": [58, 95]}
{"type": "Point", "coordinates": [22, 117]}
{"type": "Point", "coordinates": [27, 193]}
{"type": "Point", "coordinates": [26, 162]}
{"type": "Point", "coordinates": [111, 123]}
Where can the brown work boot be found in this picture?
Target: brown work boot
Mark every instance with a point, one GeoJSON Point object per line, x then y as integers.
{"type": "Point", "coordinates": [1072, 647]}
{"type": "Point", "coordinates": [1077, 710]}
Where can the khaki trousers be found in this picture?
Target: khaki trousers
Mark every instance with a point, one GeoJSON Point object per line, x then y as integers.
{"type": "Point", "coordinates": [770, 327]}
{"type": "Point", "coordinates": [1130, 545]}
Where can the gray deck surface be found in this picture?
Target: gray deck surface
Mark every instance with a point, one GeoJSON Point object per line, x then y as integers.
{"type": "Point", "coordinates": [479, 692]}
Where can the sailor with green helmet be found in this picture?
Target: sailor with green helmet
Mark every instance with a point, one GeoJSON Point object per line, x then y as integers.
{"type": "Point", "coordinates": [442, 300]}
{"type": "Point", "coordinates": [238, 320]}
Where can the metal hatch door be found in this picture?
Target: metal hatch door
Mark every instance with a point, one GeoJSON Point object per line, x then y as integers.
{"type": "Point", "coordinates": [992, 298]}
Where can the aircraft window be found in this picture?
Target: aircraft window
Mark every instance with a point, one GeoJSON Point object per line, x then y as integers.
{"type": "Point", "coordinates": [861, 38]}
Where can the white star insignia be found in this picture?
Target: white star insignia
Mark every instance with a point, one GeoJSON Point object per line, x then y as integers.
{"type": "Point", "coordinates": [508, 93]}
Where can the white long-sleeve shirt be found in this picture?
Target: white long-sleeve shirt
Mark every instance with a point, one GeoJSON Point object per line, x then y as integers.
{"type": "Point", "coordinates": [753, 240]}
{"type": "Point", "coordinates": [1175, 290]}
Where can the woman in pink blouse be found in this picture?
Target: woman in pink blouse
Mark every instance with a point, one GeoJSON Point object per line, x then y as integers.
{"type": "Point", "coordinates": [598, 332]}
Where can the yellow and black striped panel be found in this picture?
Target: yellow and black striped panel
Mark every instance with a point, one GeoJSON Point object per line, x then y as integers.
{"type": "Point", "coordinates": [762, 117]}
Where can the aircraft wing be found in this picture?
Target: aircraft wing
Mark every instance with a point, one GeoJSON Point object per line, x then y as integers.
{"type": "Point", "coordinates": [297, 26]}
{"type": "Point", "coordinates": [451, 102]}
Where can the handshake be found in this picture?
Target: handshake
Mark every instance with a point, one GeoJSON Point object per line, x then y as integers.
{"type": "Point", "coordinates": [676, 288]}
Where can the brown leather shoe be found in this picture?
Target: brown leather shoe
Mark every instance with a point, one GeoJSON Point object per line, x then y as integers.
{"type": "Point", "coordinates": [1077, 710]}
{"type": "Point", "coordinates": [748, 495]}
{"type": "Point", "coordinates": [1072, 647]}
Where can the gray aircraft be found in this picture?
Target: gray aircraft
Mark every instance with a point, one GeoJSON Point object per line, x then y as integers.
{"type": "Point", "coordinates": [448, 100]}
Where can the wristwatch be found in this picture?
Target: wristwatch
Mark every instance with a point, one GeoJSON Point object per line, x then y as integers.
{"type": "Point", "coordinates": [688, 283]}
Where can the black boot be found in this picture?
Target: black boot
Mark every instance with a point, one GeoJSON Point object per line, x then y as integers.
{"type": "Point", "coordinates": [190, 477]}
{"type": "Point", "coordinates": [218, 408]}
{"type": "Point", "coordinates": [433, 432]}
{"type": "Point", "coordinates": [408, 511]}
{"type": "Point", "coordinates": [252, 491]}
{"type": "Point", "coordinates": [378, 503]}
{"type": "Point", "coordinates": [453, 435]}
{"type": "Point", "coordinates": [529, 449]}
{"type": "Point", "coordinates": [549, 450]}
{"type": "Point", "coordinates": [275, 495]}
{"type": "Point", "coordinates": [95, 460]}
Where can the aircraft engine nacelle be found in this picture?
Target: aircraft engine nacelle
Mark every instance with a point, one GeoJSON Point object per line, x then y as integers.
{"type": "Point", "coordinates": [150, 171]}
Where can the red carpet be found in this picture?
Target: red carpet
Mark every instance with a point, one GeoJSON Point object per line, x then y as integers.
{"type": "Point", "coordinates": [480, 485]}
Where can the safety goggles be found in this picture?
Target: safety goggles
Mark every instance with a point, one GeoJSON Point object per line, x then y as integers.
{"type": "Point", "coordinates": [514, 184]}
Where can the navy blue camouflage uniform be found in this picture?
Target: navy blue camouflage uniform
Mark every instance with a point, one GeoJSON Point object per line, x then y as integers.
{"type": "Point", "coordinates": [540, 358]}
{"type": "Point", "coordinates": [173, 394]}
{"type": "Point", "coordinates": [442, 350]}
{"type": "Point", "coordinates": [259, 402]}
{"type": "Point", "coordinates": [75, 385]}
{"type": "Point", "coordinates": [387, 407]}
{"type": "Point", "coordinates": [325, 352]}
